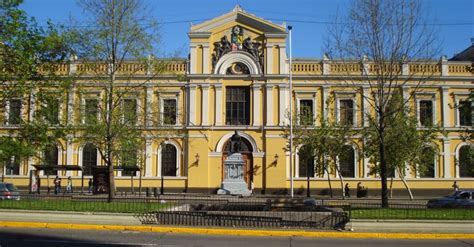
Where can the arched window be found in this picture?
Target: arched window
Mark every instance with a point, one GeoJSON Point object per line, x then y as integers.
{"type": "Point", "coordinates": [466, 161]}
{"type": "Point", "coordinates": [51, 157]}
{"type": "Point", "coordinates": [426, 168]}
{"type": "Point", "coordinates": [168, 160]}
{"type": "Point", "coordinates": [347, 162]}
{"type": "Point", "coordinates": [89, 158]}
{"type": "Point", "coordinates": [305, 162]}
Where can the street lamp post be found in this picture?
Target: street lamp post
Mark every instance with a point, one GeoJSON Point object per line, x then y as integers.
{"type": "Point", "coordinates": [291, 117]}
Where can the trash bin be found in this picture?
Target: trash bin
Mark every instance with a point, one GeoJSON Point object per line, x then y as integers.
{"type": "Point", "coordinates": [148, 192]}
{"type": "Point", "coordinates": [155, 192]}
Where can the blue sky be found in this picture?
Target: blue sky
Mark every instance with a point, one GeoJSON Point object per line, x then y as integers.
{"type": "Point", "coordinates": [308, 36]}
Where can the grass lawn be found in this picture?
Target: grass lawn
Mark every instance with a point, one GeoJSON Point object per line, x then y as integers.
{"type": "Point", "coordinates": [86, 206]}
{"type": "Point", "coordinates": [414, 213]}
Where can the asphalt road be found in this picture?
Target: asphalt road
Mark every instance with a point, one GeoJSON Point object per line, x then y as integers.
{"type": "Point", "coordinates": [73, 238]}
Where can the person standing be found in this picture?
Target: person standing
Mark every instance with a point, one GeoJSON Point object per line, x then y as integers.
{"type": "Point", "coordinates": [69, 185]}
{"type": "Point", "coordinates": [57, 185]}
{"type": "Point", "coordinates": [91, 185]}
{"type": "Point", "coordinates": [38, 184]}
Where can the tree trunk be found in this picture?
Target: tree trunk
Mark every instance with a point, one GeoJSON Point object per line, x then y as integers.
{"type": "Point", "coordinates": [329, 179]}
{"type": "Point", "coordinates": [383, 169]}
{"type": "Point", "coordinates": [391, 187]}
{"type": "Point", "coordinates": [406, 185]}
{"type": "Point", "coordinates": [111, 180]}
{"type": "Point", "coordinates": [341, 180]}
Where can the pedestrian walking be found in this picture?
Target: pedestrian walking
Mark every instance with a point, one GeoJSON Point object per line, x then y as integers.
{"type": "Point", "coordinates": [455, 186]}
{"type": "Point", "coordinates": [347, 190]}
{"type": "Point", "coordinates": [38, 184]}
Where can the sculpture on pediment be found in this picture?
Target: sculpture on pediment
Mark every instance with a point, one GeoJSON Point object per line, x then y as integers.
{"type": "Point", "coordinates": [237, 43]}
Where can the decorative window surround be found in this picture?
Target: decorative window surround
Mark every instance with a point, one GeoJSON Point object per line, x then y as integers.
{"type": "Point", "coordinates": [306, 95]}
{"type": "Point", "coordinates": [458, 97]}
{"type": "Point", "coordinates": [356, 161]}
{"type": "Point", "coordinates": [96, 95]}
{"type": "Point", "coordinates": [458, 148]}
{"type": "Point", "coordinates": [426, 96]}
{"type": "Point", "coordinates": [349, 95]}
{"type": "Point", "coordinates": [174, 95]}
{"type": "Point", "coordinates": [435, 160]}
{"type": "Point", "coordinates": [7, 111]}
{"type": "Point", "coordinates": [178, 157]}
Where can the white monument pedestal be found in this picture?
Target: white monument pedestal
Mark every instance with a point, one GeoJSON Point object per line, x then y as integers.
{"type": "Point", "coordinates": [234, 183]}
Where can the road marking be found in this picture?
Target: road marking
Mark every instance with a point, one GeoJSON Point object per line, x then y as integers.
{"type": "Point", "coordinates": [240, 232]}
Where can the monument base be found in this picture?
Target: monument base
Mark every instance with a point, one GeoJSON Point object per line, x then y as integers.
{"type": "Point", "coordinates": [234, 188]}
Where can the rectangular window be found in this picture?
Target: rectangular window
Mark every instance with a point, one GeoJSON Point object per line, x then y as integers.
{"type": "Point", "coordinates": [237, 106]}
{"type": "Point", "coordinates": [130, 111]}
{"type": "Point", "coordinates": [346, 112]}
{"type": "Point", "coordinates": [169, 111]}
{"type": "Point", "coordinates": [426, 113]}
{"type": "Point", "coordinates": [14, 113]}
{"type": "Point", "coordinates": [306, 112]}
{"type": "Point", "coordinates": [52, 111]}
{"type": "Point", "coordinates": [91, 111]}
{"type": "Point", "coordinates": [465, 113]}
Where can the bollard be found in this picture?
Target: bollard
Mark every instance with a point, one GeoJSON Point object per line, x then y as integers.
{"type": "Point", "coordinates": [155, 192]}
{"type": "Point", "coordinates": [148, 192]}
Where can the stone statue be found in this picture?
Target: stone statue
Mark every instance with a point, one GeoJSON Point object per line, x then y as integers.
{"type": "Point", "coordinates": [235, 143]}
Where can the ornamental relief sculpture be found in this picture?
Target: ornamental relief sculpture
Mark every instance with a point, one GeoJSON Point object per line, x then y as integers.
{"type": "Point", "coordinates": [237, 43]}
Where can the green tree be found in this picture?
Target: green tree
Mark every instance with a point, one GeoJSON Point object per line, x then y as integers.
{"type": "Point", "coordinates": [384, 35]}
{"type": "Point", "coordinates": [29, 56]}
{"type": "Point", "coordinates": [405, 143]}
{"type": "Point", "coordinates": [122, 31]}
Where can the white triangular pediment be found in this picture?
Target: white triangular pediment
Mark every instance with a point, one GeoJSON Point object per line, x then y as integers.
{"type": "Point", "coordinates": [239, 15]}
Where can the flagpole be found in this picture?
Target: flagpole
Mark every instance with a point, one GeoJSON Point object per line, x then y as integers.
{"type": "Point", "coordinates": [291, 118]}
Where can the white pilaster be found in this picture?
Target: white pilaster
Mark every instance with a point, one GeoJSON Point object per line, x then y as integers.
{"type": "Point", "coordinates": [283, 58]}
{"type": "Point", "coordinates": [445, 107]}
{"type": "Point", "coordinates": [269, 103]}
{"type": "Point", "coordinates": [70, 105]}
{"type": "Point", "coordinates": [444, 66]}
{"type": "Point", "coordinates": [193, 62]}
{"type": "Point", "coordinates": [257, 104]}
{"type": "Point", "coordinates": [447, 158]}
{"type": "Point", "coordinates": [365, 106]}
{"type": "Point", "coordinates": [33, 104]}
{"type": "Point", "coordinates": [149, 107]}
{"type": "Point", "coordinates": [283, 89]}
{"type": "Point", "coordinates": [205, 105]}
{"type": "Point", "coordinates": [148, 158]}
{"type": "Point", "coordinates": [269, 58]}
{"type": "Point", "coordinates": [218, 105]}
{"type": "Point", "coordinates": [325, 93]}
{"type": "Point", "coordinates": [205, 59]}
{"type": "Point", "coordinates": [192, 105]}
{"type": "Point", "coordinates": [69, 153]}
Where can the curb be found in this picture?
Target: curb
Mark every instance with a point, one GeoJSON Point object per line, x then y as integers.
{"type": "Point", "coordinates": [237, 232]}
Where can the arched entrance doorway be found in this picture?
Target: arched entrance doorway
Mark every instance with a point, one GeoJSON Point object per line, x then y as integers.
{"type": "Point", "coordinates": [246, 151]}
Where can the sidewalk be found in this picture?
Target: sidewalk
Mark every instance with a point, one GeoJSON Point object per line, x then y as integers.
{"type": "Point", "coordinates": [407, 229]}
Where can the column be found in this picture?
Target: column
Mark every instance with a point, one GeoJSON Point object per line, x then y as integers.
{"type": "Point", "coordinates": [283, 89]}
{"type": "Point", "coordinates": [365, 106]}
{"type": "Point", "coordinates": [70, 106]}
{"type": "Point", "coordinates": [445, 102]}
{"type": "Point", "coordinates": [205, 105]}
{"type": "Point", "coordinates": [269, 64]}
{"type": "Point", "coordinates": [205, 59]}
{"type": "Point", "coordinates": [69, 153]}
{"type": "Point", "coordinates": [32, 105]}
{"type": "Point", "coordinates": [148, 157]}
{"type": "Point", "coordinates": [149, 107]}
{"type": "Point", "coordinates": [269, 103]}
{"type": "Point", "coordinates": [192, 105]}
{"type": "Point", "coordinates": [218, 105]}
{"type": "Point", "coordinates": [257, 104]}
{"type": "Point", "coordinates": [447, 158]}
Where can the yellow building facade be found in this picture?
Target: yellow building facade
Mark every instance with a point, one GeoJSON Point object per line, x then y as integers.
{"type": "Point", "coordinates": [237, 79]}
